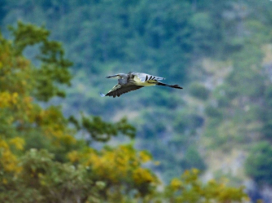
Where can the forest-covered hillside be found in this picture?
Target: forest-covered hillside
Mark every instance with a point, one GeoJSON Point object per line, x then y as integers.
{"type": "Point", "coordinates": [43, 158]}
{"type": "Point", "coordinates": [219, 51]}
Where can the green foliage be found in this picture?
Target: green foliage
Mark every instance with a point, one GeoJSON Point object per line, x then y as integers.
{"type": "Point", "coordinates": [199, 91]}
{"type": "Point", "coordinates": [267, 114]}
{"type": "Point", "coordinates": [53, 70]}
{"type": "Point", "coordinates": [259, 163]}
{"type": "Point", "coordinates": [192, 159]}
{"type": "Point", "coordinates": [234, 109]}
{"type": "Point", "coordinates": [213, 112]}
{"type": "Point", "coordinates": [44, 180]}
{"type": "Point", "coordinates": [100, 130]}
{"type": "Point", "coordinates": [189, 189]}
{"type": "Point", "coordinates": [188, 122]}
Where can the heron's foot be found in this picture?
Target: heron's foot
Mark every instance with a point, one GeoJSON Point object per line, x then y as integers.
{"type": "Point", "coordinates": [102, 95]}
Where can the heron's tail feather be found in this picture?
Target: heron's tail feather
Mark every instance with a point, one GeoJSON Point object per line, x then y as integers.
{"type": "Point", "coordinates": [173, 86]}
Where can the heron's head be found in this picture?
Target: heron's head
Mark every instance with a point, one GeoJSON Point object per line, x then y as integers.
{"type": "Point", "coordinates": [118, 76]}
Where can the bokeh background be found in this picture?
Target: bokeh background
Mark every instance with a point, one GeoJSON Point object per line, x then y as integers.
{"type": "Point", "coordinates": [219, 51]}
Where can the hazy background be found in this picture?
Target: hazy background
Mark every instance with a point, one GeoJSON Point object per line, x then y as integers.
{"type": "Point", "coordinates": [219, 51]}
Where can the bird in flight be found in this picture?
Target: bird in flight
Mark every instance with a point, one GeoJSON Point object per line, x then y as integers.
{"type": "Point", "coordinates": [133, 81]}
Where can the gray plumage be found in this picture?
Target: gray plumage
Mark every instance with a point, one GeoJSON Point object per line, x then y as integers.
{"type": "Point", "coordinates": [133, 81]}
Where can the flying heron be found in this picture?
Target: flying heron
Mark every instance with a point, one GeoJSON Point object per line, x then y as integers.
{"type": "Point", "coordinates": [133, 81]}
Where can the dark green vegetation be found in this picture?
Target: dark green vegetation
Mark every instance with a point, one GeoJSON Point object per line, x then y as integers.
{"type": "Point", "coordinates": [259, 163]}
{"type": "Point", "coordinates": [214, 49]}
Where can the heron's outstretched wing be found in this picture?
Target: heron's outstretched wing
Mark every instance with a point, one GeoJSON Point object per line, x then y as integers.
{"type": "Point", "coordinates": [118, 89]}
{"type": "Point", "coordinates": [146, 77]}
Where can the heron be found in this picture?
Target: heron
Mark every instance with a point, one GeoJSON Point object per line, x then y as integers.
{"type": "Point", "coordinates": [133, 81]}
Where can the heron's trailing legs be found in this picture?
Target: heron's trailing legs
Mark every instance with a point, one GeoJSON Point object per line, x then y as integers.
{"type": "Point", "coordinates": [173, 86]}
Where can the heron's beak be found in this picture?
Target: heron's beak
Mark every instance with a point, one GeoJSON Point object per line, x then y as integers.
{"type": "Point", "coordinates": [112, 76]}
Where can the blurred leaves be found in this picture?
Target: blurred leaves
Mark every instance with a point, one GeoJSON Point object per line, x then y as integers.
{"type": "Point", "coordinates": [189, 189]}
{"type": "Point", "coordinates": [53, 69]}
{"type": "Point", "coordinates": [100, 130]}
{"type": "Point", "coordinates": [259, 163]}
